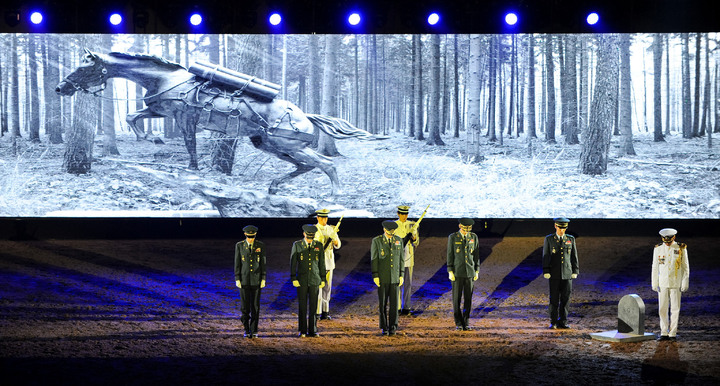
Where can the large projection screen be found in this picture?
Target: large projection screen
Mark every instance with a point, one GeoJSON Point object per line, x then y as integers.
{"type": "Point", "coordinates": [486, 126]}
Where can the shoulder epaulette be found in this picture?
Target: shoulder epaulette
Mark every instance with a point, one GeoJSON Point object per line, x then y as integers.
{"type": "Point", "coordinates": [657, 245]}
{"type": "Point", "coordinates": [682, 245]}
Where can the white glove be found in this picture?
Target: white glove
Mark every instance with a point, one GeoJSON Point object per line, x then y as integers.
{"type": "Point", "coordinates": [683, 288]}
{"type": "Point", "coordinates": [296, 283]}
{"type": "Point", "coordinates": [322, 284]}
{"type": "Point", "coordinates": [451, 275]}
{"type": "Point", "coordinates": [476, 276]}
{"type": "Point", "coordinates": [237, 284]}
{"type": "Point", "coordinates": [573, 276]}
{"type": "Point", "coordinates": [401, 282]}
{"type": "Point", "coordinates": [377, 281]}
{"type": "Point", "coordinates": [547, 275]}
{"type": "Point", "coordinates": [262, 283]}
{"type": "Point", "coordinates": [656, 289]}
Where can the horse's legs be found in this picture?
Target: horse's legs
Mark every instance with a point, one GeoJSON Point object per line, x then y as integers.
{"type": "Point", "coordinates": [187, 124]}
{"type": "Point", "coordinates": [132, 119]}
{"type": "Point", "coordinates": [307, 159]}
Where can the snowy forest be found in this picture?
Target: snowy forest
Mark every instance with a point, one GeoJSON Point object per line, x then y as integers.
{"type": "Point", "coordinates": [486, 126]}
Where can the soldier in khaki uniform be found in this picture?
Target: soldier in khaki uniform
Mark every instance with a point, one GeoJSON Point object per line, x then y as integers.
{"type": "Point", "coordinates": [463, 265]}
{"type": "Point", "coordinates": [328, 237]}
{"type": "Point", "coordinates": [387, 264]}
{"type": "Point", "coordinates": [250, 275]}
{"type": "Point", "coordinates": [307, 272]}
{"type": "Point", "coordinates": [560, 267]}
{"type": "Point", "coordinates": [404, 228]}
{"type": "Point", "coordinates": [670, 277]}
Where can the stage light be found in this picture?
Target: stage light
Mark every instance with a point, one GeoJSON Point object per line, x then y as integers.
{"type": "Point", "coordinates": [275, 19]}
{"type": "Point", "coordinates": [511, 18]}
{"type": "Point", "coordinates": [196, 19]}
{"type": "Point", "coordinates": [115, 19]}
{"type": "Point", "coordinates": [433, 18]}
{"type": "Point", "coordinates": [36, 17]}
{"type": "Point", "coordinates": [354, 18]}
{"type": "Point", "coordinates": [593, 18]}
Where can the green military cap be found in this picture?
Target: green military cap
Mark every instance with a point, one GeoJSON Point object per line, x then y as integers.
{"type": "Point", "coordinates": [322, 212]}
{"type": "Point", "coordinates": [389, 225]}
{"type": "Point", "coordinates": [309, 229]}
{"type": "Point", "coordinates": [250, 230]}
{"type": "Point", "coordinates": [466, 221]}
{"type": "Point", "coordinates": [561, 222]}
{"type": "Point", "coordinates": [403, 209]}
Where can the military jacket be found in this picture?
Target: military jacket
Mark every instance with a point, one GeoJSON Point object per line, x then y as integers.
{"type": "Point", "coordinates": [387, 260]}
{"type": "Point", "coordinates": [250, 263]}
{"type": "Point", "coordinates": [402, 230]}
{"type": "Point", "coordinates": [670, 267]}
{"type": "Point", "coordinates": [560, 257]}
{"type": "Point", "coordinates": [307, 263]}
{"type": "Point", "coordinates": [324, 233]}
{"type": "Point", "coordinates": [463, 254]}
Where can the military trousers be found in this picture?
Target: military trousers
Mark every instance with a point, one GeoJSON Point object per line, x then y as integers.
{"type": "Point", "coordinates": [560, 291]}
{"type": "Point", "coordinates": [307, 300]}
{"type": "Point", "coordinates": [324, 294]}
{"type": "Point", "coordinates": [388, 306]}
{"type": "Point", "coordinates": [406, 288]}
{"type": "Point", "coordinates": [462, 292]}
{"type": "Point", "coordinates": [250, 308]}
{"type": "Point", "coordinates": [669, 300]}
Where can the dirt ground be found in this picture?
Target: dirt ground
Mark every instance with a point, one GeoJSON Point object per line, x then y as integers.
{"type": "Point", "coordinates": [166, 312]}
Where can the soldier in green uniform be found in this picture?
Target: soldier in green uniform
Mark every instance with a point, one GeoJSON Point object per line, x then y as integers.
{"type": "Point", "coordinates": [250, 274]}
{"type": "Point", "coordinates": [560, 266]}
{"type": "Point", "coordinates": [307, 272]}
{"type": "Point", "coordinates": [463, 265]}
{"type": "Point", "coordinates": [387, 261]}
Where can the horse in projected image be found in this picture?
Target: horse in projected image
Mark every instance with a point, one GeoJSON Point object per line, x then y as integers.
{"type": "Point", "coordinates": [273, 125]}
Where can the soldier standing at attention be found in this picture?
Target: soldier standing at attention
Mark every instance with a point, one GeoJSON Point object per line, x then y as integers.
{"type": "Point", "coordinates": [404, 228]}
{"type": "Point", "coordinates": [463, 265]}
{"type": "Point", "coordinates": [560, 266]}
{"type": "Point", "coordinates": [250, 274]}
{"type": "Point", "coordinates": [387, 261]}
{"type": "Point", "coordinates": [670, 277]}
{"type": "Point", "coordinates": [326, 235]}
{"type": "Point", "coordinates": [307, 272]}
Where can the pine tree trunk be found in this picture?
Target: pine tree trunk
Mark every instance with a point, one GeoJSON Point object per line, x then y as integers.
{"type": "Point", "coordinates": [550, 90]}
{"type": "Point", "coordinates": [625, 105]}
{"type": "Point", "coordinates": [326, 144]}
{"type": "Point", "coordinates": [474, 84]}
{"type": "Point", "coordinates": [594, 155]}
{"type": "Point", "coordinates": [696, 107]}
{"type": "Point", "coordinates": [420, 111]}
{"type": "Point", "coordinates": [686, 101]}
{"type": "Point", "coordinates": [80, 138]}
{"type": "Point", "coordinates": [657, 80]}
{"type": "Point", "coordinates": [434, 105]}
{"type": "Point", "coordinates": [531, 107]}
{"type": "Point", "coordinates": [571, 129]}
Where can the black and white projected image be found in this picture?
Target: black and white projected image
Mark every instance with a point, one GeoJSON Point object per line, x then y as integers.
{"type": "Point", "coordinates": [487, 126]}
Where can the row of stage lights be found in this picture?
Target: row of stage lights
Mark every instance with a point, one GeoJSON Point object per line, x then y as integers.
{"type": "Point", "coordinates": [275, 19]}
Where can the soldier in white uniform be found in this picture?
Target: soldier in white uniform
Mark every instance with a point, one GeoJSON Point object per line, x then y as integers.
{"type": "Point", "coordinates": [670, 277]}
{"type": "Point", "coordinates": [404, 227]}
{"type": "Point", "coordinates": [326, 234]}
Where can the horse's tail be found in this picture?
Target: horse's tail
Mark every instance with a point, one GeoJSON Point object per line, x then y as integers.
{"type": "Point", "coordinates": [340, 128]}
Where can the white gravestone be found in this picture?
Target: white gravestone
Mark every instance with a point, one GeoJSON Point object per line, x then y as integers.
{"type": "Point", "coordinates": [631, 322]}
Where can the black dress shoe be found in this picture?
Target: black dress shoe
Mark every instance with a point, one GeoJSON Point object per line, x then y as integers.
{"type": "Point", "coordinates": [405, 312]}
{"type": "Point", "coordinates": [325, 316]}
{"type": "Point", "coordinates": [467, 328]}
{"type": "Point", "coordinates": [313, 335]}
{"type": "Point", "coordinates": [563, 326]}
{"type": "Point", "coordinates": [301, 335]}
{"type": "Point", "coordinates": [383, 332]}
{"type": "Point", "coordinates": [553, 326]}
{"type": "Point", "coordinates": [672, 338]}
{"type": "Point", "coordinates": [254, 335]}
{"type": "Point", "coordinates": [458, 328]}
{"type": "Point", "coordinates": [392, 332]}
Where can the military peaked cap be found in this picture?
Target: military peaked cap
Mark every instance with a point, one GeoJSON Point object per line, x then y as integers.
{"type": "Point", "coordinates": [466, 221]}
{"type": "Point", "coordinates": [389, 225]}
{"type": "Point", "coordinates": [561, 222]}
{"type": "Point", "coordinates": [322, 212]}
{"type": "Point", "coordinates": [667, 232]}
{"type": "Point", "coordinates": [250, 230]}
{"type": "Point", "coordinates": [403, 209]}
{"type": "Point", "coordinates": [309, 229]}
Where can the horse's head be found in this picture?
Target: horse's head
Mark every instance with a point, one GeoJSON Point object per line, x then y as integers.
{"type": "Point", "coordinates": [90, 73]}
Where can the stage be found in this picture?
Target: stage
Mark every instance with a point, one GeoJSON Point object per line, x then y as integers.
{"type": "Point", "coordinates": [166, 311]}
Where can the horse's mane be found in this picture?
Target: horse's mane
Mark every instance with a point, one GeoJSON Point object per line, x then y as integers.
{"type": "Point", "coordinates": [152, 58]}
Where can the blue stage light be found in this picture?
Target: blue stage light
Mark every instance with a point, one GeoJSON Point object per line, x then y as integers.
{"type": "Point", "coordinates": [593, 18]}
{"type": "Point", "coordinates": [433, 18]}
{"type": "Point", "coordinates": [115, 19]}
{"type": "Point", "coordinates": [196, 19]}
{"type": "Point", "coordinates": [36, 17]}
{"type": "Point", "coordinates": [275, 19]}
{"type": "Point", "coordinates": [354, 18]}
{"type": "Point", "coordinates": [511, 18]}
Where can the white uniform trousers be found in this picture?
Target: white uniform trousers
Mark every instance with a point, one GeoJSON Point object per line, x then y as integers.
{"type": "Point", "coordinates": [669, 298]}
{"type": "Point", "coordinates": [324, 294]}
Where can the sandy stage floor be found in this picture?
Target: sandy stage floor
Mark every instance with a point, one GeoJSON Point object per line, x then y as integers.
{"type": "Point", "coordinates": [167, 312]}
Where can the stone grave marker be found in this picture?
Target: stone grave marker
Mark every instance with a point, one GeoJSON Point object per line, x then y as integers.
{"type": "Point", "coordinates": [631, 322]}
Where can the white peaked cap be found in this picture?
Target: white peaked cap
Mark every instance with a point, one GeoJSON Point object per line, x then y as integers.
{"type": "Point", "coordinates": [667, 232]}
